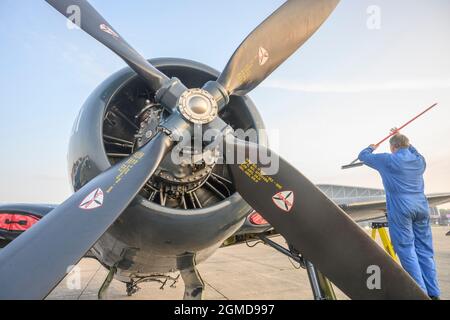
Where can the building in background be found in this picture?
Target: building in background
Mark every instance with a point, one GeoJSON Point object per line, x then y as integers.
{"type": "Point", "coordinates": [444, 217]}
{"type": "Point", "coordinates": [348, 195]}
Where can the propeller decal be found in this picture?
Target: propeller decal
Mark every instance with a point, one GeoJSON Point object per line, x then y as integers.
{"type": "Point", "coordinates": [93, 200]}
{"type": "Point", "coordinates": [263, 56]}
{"type": "Point", "coordinates": [284, 200]}
{"type": "Point", "coordinates": [108, 30]}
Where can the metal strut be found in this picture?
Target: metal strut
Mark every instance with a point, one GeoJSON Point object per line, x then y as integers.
{"type": "Point", "coordinates": [194, 285]}
{"type": "Point", "coordinates": [321, 287]}
{"type": "Point", "coordinates": [104, 288]}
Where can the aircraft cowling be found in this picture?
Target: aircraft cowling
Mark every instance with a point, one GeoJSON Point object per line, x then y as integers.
{"type": "Point", "coordinates": [109, 121]}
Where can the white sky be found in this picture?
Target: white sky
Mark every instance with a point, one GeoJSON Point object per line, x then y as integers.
{"type": "Point", "coordinates": [342, 91]}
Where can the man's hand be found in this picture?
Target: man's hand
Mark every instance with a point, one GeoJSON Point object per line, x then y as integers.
{"type": "Point", "coordinates": [395, 130]}
{"type": "Point", "coordinates": [374, 146]}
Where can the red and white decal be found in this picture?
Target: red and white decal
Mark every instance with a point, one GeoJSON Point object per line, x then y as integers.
{"type": "Point", "coordinates": [256, 219]}
{"type": "Point", "coordinates": [263, 56]}
{"type": "Point", "coordinates": [16, 221]}
{"type": "Point", "coordinates": [108, 30]}
{"type": "Point", "coordinates": [284, 200]}
{"type": "Point", "coordinates": [93, 200]}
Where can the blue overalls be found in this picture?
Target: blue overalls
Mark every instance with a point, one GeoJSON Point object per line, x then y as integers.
{"type": "Point", "coordinates": [408, 212]}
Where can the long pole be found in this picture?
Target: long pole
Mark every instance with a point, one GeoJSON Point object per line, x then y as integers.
{"type": "Point", "coordinates": [394, 132]}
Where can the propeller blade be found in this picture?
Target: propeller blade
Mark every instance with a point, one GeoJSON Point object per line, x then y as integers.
{"type": "Point", "coordinates": [33, 264]}
{"type": "Point", "coordinates": [272, 42]}
{"type": "Point", "coordinates": [96, 26]}
{"type": "Point", "coordinates": [318, 228]}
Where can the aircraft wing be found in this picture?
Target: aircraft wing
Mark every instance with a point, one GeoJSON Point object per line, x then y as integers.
{"type": "Point", "coordinates": [358, 211]}
{"type": "Point", "coordinates": [17, 218]}
{"type": "Point", "coordinates": [363, 211]}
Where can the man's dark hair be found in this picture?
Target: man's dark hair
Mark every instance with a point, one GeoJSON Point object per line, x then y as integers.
{"type": "Point", "coordinates": [399, 141]}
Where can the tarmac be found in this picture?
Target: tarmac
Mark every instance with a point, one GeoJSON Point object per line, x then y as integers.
{"type": "Point", "coordinates": [232, 273]}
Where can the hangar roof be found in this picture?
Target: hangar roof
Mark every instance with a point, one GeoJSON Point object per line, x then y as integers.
{"type": "Point", "coordinates": [349, 194]}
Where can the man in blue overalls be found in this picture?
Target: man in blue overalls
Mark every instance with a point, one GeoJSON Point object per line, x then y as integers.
{"type": "Point", "coordinates": [407, 208]}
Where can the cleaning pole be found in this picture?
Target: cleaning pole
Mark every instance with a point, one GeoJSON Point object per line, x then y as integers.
{"type": "Point", "coordinates": [355, 162]}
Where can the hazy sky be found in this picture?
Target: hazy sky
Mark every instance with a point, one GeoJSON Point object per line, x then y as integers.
{"type": "Point", "coordinates": [342, 91]}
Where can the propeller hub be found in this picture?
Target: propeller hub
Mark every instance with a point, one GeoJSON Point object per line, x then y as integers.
{"type": "Point", "coordinates": [198, 106]}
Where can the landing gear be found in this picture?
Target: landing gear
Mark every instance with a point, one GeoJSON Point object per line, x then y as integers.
{"type": "Point", "coordinates": [193, 283]}
{"type": "Point", "coordinates": [104, 288]}
{"type": "Point", "coordinates": [321, 287]}
{"type": "Point", "coordinates": [133, 285]}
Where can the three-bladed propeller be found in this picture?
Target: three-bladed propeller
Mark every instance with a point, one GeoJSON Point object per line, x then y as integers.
{"type": "Point", "coordinates": [292, 204]}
